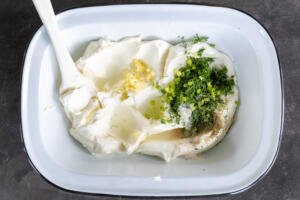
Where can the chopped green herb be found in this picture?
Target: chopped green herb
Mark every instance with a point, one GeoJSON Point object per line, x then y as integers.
{"type": "Point", "coordinates": [198, 38]}
{"type": "Point", "coordinates": [200, 87]}
{"type": "Point", "coordinates": [212, 45]}
{"type": "Point", "coordinates": [163, 121]}
{"type": "Point", "coordinates": [152, 102]}
{"type": "Point", "coordinates": [182, 42]}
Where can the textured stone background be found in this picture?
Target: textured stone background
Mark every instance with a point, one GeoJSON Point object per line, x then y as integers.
{"type": "Point", "coordinates": [18, 22]}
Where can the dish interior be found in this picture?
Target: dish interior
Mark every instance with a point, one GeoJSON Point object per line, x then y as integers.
{"type": "Point", "coordinates": [230, 155]}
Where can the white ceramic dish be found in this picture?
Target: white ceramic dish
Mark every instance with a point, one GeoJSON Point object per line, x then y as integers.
{"type": "Point", "coordinates": [246, 153]}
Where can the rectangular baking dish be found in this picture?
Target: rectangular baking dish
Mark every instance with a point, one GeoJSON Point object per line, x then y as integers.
{"type": "Point", "coordinates": [239, 161]}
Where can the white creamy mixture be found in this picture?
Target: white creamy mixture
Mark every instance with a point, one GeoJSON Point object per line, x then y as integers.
{"type": "Point", "coordinates": [110, 110]}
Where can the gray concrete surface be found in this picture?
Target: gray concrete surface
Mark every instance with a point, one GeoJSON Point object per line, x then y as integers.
{"type": "Point", "coordinates": [18, 21]}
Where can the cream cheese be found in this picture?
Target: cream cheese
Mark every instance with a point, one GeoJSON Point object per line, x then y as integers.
{"type": "Point", "coordinates": [115, 108]}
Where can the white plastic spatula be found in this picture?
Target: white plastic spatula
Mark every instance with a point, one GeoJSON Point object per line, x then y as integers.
{"type": "Point", "coordinates": [71, 77]}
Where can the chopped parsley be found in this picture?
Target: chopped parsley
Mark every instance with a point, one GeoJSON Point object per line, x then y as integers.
{"type": "Point", "coordinates": [152, 102]}
{"type": "Point", "coordinates": [198, 87]}
{"type": "Point", "coordinates": [212, 45]}
{"type": "Point", "coordinates": [198, 38]}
